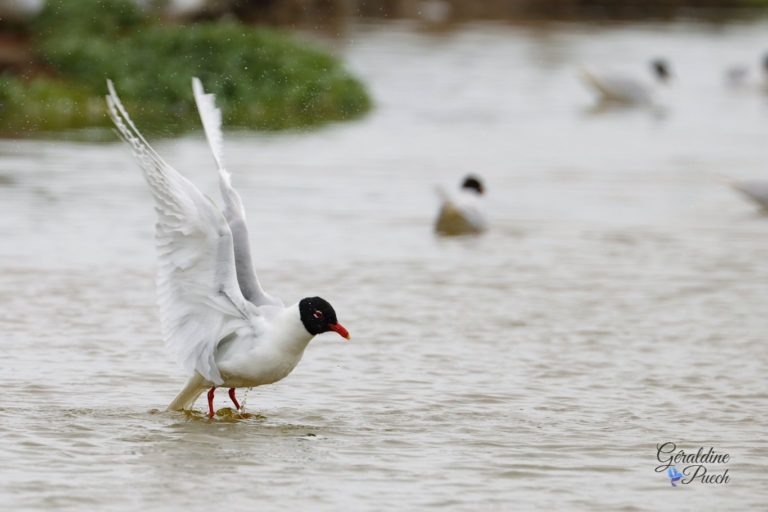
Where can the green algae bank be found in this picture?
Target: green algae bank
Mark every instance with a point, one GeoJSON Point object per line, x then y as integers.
{"type": "Point", "coordinates": [616, 303]}
{"type": "Point", "coordinates": [264, 78]}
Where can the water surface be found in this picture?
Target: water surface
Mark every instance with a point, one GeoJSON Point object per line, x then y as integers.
{"type": "Point", "coordinates": [617, 302]}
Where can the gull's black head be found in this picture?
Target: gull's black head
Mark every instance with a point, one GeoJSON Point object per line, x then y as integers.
{"type": "Point", "coordinates": [661, 69]}
{"type": "Point", "coordinates": [318, 317]}
{"type": "Point", "coordinates": [472, 182]}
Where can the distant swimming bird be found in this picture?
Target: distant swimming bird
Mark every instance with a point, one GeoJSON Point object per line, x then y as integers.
{"type": "Point", "coordinates": [460, 212]}
{"type": "Point", "coordinates": [225, 329]}
{"type": "Point", "coordinates": [625, 90]}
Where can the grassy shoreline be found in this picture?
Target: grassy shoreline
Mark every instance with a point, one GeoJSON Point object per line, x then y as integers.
{"type": "Point", "coordinates": [264, 78]}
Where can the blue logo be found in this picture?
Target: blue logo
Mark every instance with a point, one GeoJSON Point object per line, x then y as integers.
{"type": "Point", "coordinates": [674, 475]}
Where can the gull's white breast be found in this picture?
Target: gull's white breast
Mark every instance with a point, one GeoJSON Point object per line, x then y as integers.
{"type": "Point", "coordinates": [249, 360]}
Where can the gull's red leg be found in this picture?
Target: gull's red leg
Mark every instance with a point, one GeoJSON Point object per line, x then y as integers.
{"type": "Point", "coordinates": [210, 402]}
{"type": "Point", "coordinates": [234, 400]}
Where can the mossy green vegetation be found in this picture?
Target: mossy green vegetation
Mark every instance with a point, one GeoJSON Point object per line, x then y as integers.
{"type": "Point", "coordinates": [263, 78]}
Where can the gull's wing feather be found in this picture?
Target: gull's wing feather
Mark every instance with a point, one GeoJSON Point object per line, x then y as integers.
{"type": "Point", "coordinates": [210, 115]}
{"type": "Point", "coordinates": [200, 302]}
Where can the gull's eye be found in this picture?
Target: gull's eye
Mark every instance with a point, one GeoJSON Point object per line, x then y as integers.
{"type": "Point", "coordinates": [318, 314]}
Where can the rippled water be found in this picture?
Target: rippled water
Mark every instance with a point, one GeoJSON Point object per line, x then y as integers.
{"type": "Point", "coordinates": [618, 301]}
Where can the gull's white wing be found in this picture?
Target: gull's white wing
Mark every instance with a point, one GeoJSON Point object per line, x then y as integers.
{"type": "Point", "coordinates": [200, 302]}
{"type": "Point", "coordinates": [470, 205]}
{"type": "Point", "coordinates": [210, 116]}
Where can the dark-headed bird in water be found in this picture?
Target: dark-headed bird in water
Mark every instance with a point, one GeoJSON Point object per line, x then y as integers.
{"type": "Point", "coordinates": [224, 328]}
{"type": "Point", "coordinates": [460, 212]}
{"type": "Point", "coordinates": [617, 89]}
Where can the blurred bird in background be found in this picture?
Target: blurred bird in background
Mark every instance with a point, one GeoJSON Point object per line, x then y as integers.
{"type": "Point", "coordinates": [460, 212]}
{"type": "Point", "coordinates": [619, 89]}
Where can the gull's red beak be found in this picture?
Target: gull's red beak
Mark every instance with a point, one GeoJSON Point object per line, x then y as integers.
{"type": "Point", "coordinates": [339, 329]}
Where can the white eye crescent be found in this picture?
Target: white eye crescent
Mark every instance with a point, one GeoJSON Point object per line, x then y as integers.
{"type": "Point", "coordinates": [318, 314]}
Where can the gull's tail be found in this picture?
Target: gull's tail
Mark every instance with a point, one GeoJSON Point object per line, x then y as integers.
{"type": "Point", "coordinates": [187, 396]}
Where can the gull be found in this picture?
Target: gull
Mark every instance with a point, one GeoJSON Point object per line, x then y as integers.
{"type": "Point", "coordinates": [625, 90]}
{"type": "Point", "coordinates": [460, 212]}
{"type": "Point", "coordinates": [225, 330]}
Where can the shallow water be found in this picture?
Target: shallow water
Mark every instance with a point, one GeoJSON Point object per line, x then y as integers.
{"type": "Point", "coordinates": [617, 302]}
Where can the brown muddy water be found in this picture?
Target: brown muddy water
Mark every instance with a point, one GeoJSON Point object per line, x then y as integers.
{"type": "Point", "coordinates": [618, 300]}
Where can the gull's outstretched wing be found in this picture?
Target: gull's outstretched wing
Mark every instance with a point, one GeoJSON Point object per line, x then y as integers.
{"type": "Point", "coordinates": [200, 301]}
{"type": "Point", "coordinates": [210, 115]}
